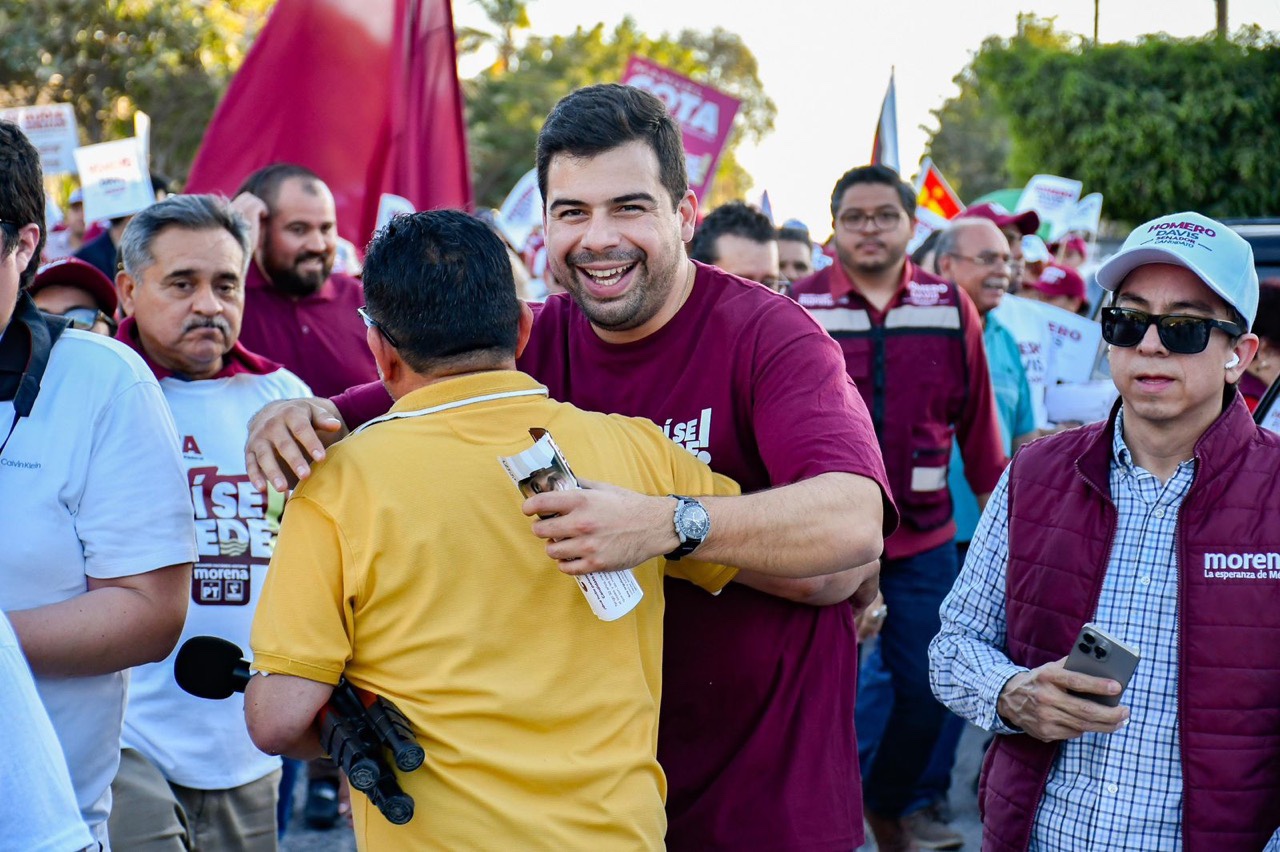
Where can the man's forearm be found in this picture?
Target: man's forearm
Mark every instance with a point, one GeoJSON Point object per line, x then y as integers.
{"type": "Point", "coordinates": [819, 591]}
{"type": "Point", "coordinates": [105, 629]}
{"type": "Point", "coordinates": [820, 526]}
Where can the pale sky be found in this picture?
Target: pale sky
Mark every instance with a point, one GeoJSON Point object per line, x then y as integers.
{"type": "Point", "coordinates": [826, 65]}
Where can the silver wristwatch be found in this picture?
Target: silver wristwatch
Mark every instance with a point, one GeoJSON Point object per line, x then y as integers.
{"type": "Point", "coordinates": [692, 523]}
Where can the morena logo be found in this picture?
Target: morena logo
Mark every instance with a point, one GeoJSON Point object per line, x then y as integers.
{"type": "Point", "coordinates": [1183, 226]}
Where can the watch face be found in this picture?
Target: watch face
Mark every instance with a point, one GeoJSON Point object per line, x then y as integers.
{"type": "Point", "coordinates": [694, 522]}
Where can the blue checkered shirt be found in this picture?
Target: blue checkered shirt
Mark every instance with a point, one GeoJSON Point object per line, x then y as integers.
{"type": "Point", "coordinates": [1105, 791]}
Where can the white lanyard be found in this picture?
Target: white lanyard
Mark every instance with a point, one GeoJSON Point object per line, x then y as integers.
{"type": "Point", "coordinates": [398, 415]}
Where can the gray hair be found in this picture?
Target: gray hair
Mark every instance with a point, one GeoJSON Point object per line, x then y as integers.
{"type": "Point", "coordinates": [189, 212]}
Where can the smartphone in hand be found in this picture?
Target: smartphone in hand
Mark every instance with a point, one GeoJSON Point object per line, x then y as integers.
{"type": "Point", "coordinates": [1099, 655]}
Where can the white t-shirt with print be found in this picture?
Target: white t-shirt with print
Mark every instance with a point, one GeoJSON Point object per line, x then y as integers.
{"type": "Point", "coordinates": [92, 486]}
{"type": "Point", "coordinates": [198, 742]}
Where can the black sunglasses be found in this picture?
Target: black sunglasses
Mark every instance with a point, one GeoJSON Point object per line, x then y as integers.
{"type": "Point", "coordinates": [1180, 333]}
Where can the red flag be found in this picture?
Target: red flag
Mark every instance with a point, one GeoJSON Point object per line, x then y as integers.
{"type": "Point", "coordinates": [363, 92]}
{"type": "Point", "coordinates": [884, 149]}
{"type": "Point", "coordinates": [936, 194]}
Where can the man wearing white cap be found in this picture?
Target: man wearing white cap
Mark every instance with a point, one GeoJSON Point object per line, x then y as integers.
{"type": "Point", "coordinates": [1158, 526]}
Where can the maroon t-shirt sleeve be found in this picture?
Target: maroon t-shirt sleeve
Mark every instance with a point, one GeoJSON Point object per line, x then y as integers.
{"type": "Point", "coordinates": [978, 430]}
{"type": "Point", "coordinates": [808, 417]}
{"type": "Point", "coordinates": [362, 403]}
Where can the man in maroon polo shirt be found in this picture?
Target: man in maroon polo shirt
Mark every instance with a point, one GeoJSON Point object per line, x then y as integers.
{"type": "Point", "coordinates": [298, 312]}
{"type": "Point", "coordinates": [912, 343]}
{"type": "Point", "coordinates": [757, 734]}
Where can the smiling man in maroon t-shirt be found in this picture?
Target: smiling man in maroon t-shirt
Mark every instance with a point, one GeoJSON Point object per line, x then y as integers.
{"type": "Point", "coordinates": [757, 720]}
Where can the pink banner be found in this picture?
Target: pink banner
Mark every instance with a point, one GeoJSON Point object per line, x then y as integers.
{"type": "Point", "coordinates": [705, 116]}
{"type": "Point", "coordinates": [363, 92]}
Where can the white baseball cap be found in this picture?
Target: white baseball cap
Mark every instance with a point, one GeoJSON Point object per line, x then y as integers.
{"type": "Point", "coordinates": [1216, 254]}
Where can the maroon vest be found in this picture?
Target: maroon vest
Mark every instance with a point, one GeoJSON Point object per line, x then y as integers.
{"type": "Point", "coordinates": [911, 370]}
{"type": "Point", "coordinates": [1061, 527]}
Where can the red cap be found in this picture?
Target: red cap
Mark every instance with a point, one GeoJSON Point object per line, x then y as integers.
{"type": "Point", "coordinates": [1058, 280]}
{"type": "Point", "coordinates": [74, 272]}
{"type": "Point", "coordinates": [1027, 222]}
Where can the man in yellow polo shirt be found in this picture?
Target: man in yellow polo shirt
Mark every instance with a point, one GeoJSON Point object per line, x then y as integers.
{"type": "Point", "coordinates": [405, 563]}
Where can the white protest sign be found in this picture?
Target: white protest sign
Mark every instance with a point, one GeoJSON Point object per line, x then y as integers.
{"type": "Point", "coordinates": [389, 207]}
{"type": "Point", "coordinates": [1054, 199]}
{"type": "Point", "coordinates": [114, 179]}
{"type": "Point", "coordinates": [1025, 319]}
{"type": "Point", "coordinates": [1075, 342]}
{"type": "Point", "coordinates": [521, 212]}
{"type": "Point", "coordinates": [1083, 402]}
{"type": "Point", "coordinates": [52, 130]}
{"type": "Point", "coordinates": [1088, 214]}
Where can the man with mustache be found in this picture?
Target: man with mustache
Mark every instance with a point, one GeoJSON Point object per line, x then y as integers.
{"type": "Point", "coordinates": [183, 292]}
{"type": "Point", "coordinates": [912, 344]}
{"type": "Point", "coordinates": [298, 311]}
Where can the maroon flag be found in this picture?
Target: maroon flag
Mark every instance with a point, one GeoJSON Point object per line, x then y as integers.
{"type": "Point", "coordinates": [363, 92]}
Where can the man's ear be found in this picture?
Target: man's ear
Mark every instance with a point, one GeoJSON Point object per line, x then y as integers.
{"type": "Point", "coordinates": [1241, 356]}
{"type": "Point", "coordinates": [126, 287]}
{"type": "Point", "coordinates": [384, 354]}
{"type": "Point", "coordinates": [943, 262]}
{"type": "Point", "coordinates": [687, 210]}
{"type": "Point", "coordinates": [28, 239]}
{"type": "Point", "coordinates": [525, 328]}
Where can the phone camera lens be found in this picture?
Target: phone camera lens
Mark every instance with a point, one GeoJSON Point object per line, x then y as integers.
{"type": "Point", "coordinates": [1084, 647]}
{"type": "Point", "coordinates": [1088, 639]}
{"type": "Point", "coordinates": [1100, 653]}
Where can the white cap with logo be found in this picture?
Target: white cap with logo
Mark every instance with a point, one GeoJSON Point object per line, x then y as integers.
{"type": "Point", "coordinates": [1216, 254]}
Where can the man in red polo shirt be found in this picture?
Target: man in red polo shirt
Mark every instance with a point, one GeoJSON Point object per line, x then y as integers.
{"type": "Point", "coordinates": [756, 734]}
{"type": "Point", "coordinates": [298, 311]}
{"type": "Point", "coordinates": [912, 343]}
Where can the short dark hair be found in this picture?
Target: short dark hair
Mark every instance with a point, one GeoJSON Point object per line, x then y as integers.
{"type": "Point", "coordinates": [21, 195]}
{"type": "Point", "coordinates": [189, 212]}
{"type": "Point", "coordinates": [873, 174]}
{"type": "Point", "coordinates": [440, 282]}
{"type": "Point", "coordinates": [733, 217]}
{"type": "Point", "coordinates": [266, 181]}
{"type": "Point", "coordinates": [795, 235]}
{"type": "Point", "coordinates": [1267, 323]}
{"type": "Point", "coordinates": [600, 118]}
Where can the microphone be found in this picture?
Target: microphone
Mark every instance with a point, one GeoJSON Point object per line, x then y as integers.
{"type": "Point", "coordinates": [352, 724]}
{"type": "Point", "coordinates": [211, 667]}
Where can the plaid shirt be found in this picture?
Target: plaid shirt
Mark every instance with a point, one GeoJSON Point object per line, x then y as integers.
{"type": "Point", "coordinates": [1105, 791]}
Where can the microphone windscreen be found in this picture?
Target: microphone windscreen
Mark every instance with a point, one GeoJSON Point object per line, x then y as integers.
{"type": "Point", "coordinates": [206, 667]}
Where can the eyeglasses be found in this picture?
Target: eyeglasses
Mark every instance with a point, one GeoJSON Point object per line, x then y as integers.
{"type": "Point", "coordinates": [990, 260]}
{"type": "Point", "coordinates": [370, 322]}
{"type": "Point", "coordinates": [1180, 333]}
{"type": "Point", "coordinates": [85, 319]}
{"type": "Point", "coordinates": [856, 220]}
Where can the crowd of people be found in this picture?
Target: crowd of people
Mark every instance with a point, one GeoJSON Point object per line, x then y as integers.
{"type": "Point", "coordinates": [826, 467]}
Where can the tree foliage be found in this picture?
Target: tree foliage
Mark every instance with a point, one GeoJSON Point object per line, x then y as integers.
{"type": "Point", "coordinates": [1159, 125]}
{"type": "Point", "coordinates": [109, 58]}
{"type": "Point", "coordinates": [506, 105]}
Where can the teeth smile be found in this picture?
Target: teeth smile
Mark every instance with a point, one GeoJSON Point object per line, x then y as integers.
{"type": "Point", "coordinates": [608, 277]}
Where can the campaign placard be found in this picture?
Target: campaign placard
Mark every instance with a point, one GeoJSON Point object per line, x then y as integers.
{"type": "Point", "coordinates": [542, 468]}
{"type": "Point", "coordinates": [114, 178]}
{"type": "Point", "coordinates": [1054, 199]}
{"type": "Point", "coordinates": [52, 130]}
{"type": "Point", "coordinates": [705, 116]}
